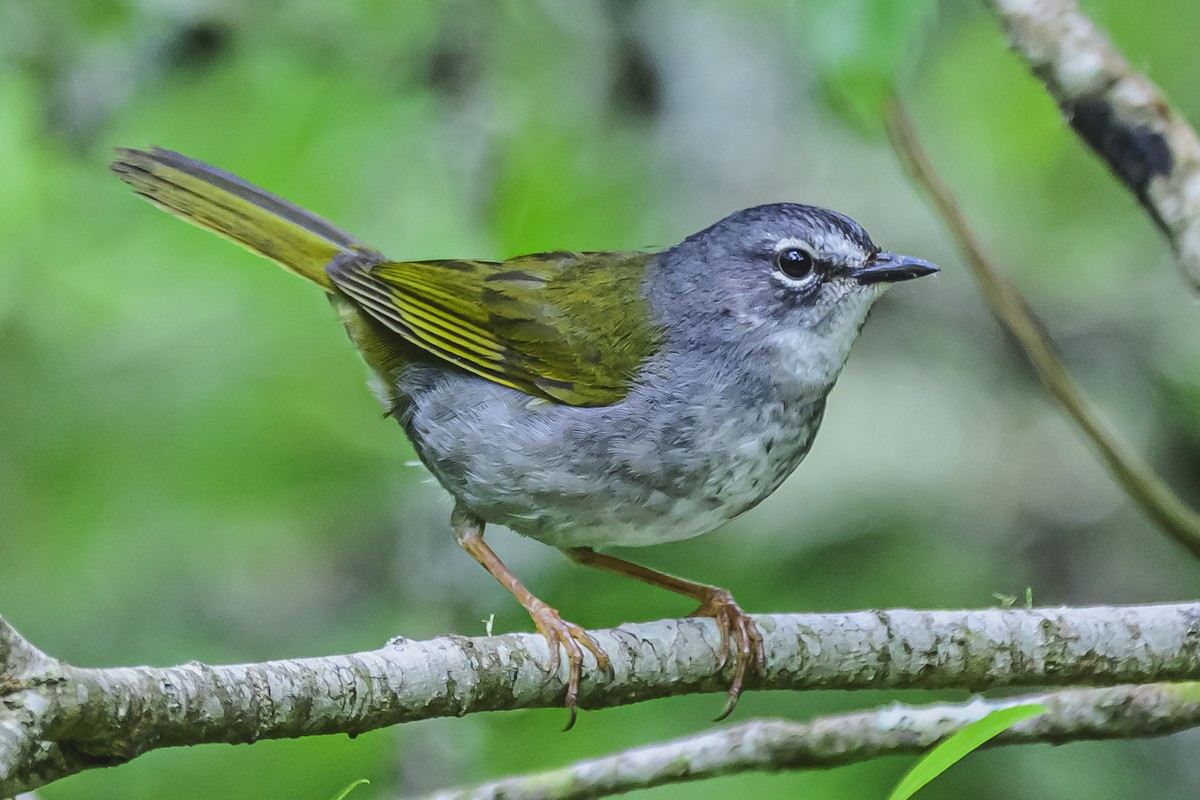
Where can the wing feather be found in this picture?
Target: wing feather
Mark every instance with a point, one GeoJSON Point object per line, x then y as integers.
{"type": "Point", "coordinates": [541, 324]}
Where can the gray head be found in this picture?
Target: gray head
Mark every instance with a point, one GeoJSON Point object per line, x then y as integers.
{"type": "Point", "coordinates": [794, 279]}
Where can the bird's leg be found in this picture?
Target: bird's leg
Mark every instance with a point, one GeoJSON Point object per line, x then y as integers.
{"type": "Point", "coordinates": [734, 624]}
{"type": "Point", "coordinates": [468, 530]}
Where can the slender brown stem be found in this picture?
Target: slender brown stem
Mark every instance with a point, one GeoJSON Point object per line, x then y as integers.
{"type": "Point", "coordinates": [1140, 482]}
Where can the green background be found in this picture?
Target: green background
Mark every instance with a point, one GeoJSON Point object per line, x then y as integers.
{"type": "Point", "coordinates": [191, 465]}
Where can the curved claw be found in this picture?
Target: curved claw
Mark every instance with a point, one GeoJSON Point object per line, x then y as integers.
{"type": "Point", "coordinates": [737, 626]}
{"type": "Point", "coordinates": [574, 639]}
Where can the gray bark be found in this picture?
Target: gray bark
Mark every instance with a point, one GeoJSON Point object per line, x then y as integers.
{"type": "Point", "coordinates": [1118, 111]}
{"type": "Point", "coordinates": [773, 744]}
{"type": "Point", "coordinates": [57, 719]}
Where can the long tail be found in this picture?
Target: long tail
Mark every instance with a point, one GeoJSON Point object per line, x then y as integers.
{"type": "Point", "coordinates": [240, 211]}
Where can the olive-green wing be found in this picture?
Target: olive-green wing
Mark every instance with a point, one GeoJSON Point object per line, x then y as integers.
{"type": "Point", "coordinates": [570, 327]}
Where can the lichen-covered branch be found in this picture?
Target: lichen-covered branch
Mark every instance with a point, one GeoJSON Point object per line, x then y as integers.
{"type": "Point", "coordinates": [770, 745]}
{"type": "Point", "coordinates": [1119, 112]}
{"type": "Point", "coordinates": [57, 719]}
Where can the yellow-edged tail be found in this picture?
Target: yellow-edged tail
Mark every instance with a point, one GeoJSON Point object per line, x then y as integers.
{"type": "Point", "coordinates": [240, 211]}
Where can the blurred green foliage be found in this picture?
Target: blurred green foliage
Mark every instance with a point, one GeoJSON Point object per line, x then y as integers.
{"type": "Point", "coordinates": [191, 466]}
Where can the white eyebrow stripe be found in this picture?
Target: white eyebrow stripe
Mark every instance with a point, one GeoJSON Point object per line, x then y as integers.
{"type": "Point", "coordinates": [784, 242]}
{"type": "Point", "coordinates": [829, 247]}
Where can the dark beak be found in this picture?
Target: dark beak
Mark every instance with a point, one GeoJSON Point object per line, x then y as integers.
{"type": "Point", "coordinates": [891, 268]}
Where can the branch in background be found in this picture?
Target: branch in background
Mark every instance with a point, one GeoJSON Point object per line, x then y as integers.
{"type": "Point", "coordinates": [767, 745]}
{"type": "Point", "coordinates": [1117, 111]}
{"type": "Point", "coordinates": [56, 719]}
{"type": "Point", "coordinates": [1140, 482]}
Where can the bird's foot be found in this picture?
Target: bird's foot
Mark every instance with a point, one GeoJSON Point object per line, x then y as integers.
{"type": "Point", "coordinates": [574, 639]}
{"type": "Point", "coordinates": [738, 631]}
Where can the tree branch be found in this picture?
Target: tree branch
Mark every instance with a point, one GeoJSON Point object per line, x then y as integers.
{"type": "Point", "coordinates": [56, 719]}
{"type": "Point", "coordinates": [1140, 482]}
{"type": "Point", "coordinates": [768, 745]}
{"type": "Point", "coordinates": [1119, 112]}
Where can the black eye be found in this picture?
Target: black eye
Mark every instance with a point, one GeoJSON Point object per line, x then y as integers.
{"type": "Point", "coordinates": [795, 263]}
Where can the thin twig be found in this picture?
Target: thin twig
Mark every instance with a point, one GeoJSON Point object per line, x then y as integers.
{"type": "Point", "coordinates": [1140, 482]}
{"type": "Point", "coordinates": [768, 745]}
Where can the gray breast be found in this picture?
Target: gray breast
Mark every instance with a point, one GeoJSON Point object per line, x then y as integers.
{"type": "Point", "coordinates": [689, 449]}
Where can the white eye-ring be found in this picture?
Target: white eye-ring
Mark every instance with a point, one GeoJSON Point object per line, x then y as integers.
{"type": "Point", "coordinates": [795, 263]}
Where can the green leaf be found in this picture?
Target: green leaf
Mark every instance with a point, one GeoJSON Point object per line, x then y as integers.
{"type": "Point", "coordinates": [860, 49]}
{"type": "Point", "coordinates": [344, 792]}
{"type": "Point", "coordinates": [949, 752]}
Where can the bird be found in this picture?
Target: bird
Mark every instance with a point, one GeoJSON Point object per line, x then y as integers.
{"type": "Point", "coordinates": [585, 399]}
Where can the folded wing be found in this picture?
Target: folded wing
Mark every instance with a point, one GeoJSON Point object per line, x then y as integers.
{"type": "Point", "coordinates": [568, 327]}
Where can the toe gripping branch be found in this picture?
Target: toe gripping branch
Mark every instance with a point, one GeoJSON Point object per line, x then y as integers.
{"type": "Point", "coordinates": [738, 632]}
{"type": "Point", "coordinates": [558, 632]}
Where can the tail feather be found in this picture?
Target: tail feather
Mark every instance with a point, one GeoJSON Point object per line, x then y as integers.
{"type": "Point", "coordinates": [240, 211]}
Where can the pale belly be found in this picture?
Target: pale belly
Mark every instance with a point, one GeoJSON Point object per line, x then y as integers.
{"type": "Point", "coordinates": [648, 470]}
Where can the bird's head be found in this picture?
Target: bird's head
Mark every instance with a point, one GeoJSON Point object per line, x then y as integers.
{"type": "Point", "coordinates": [789, 279]}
